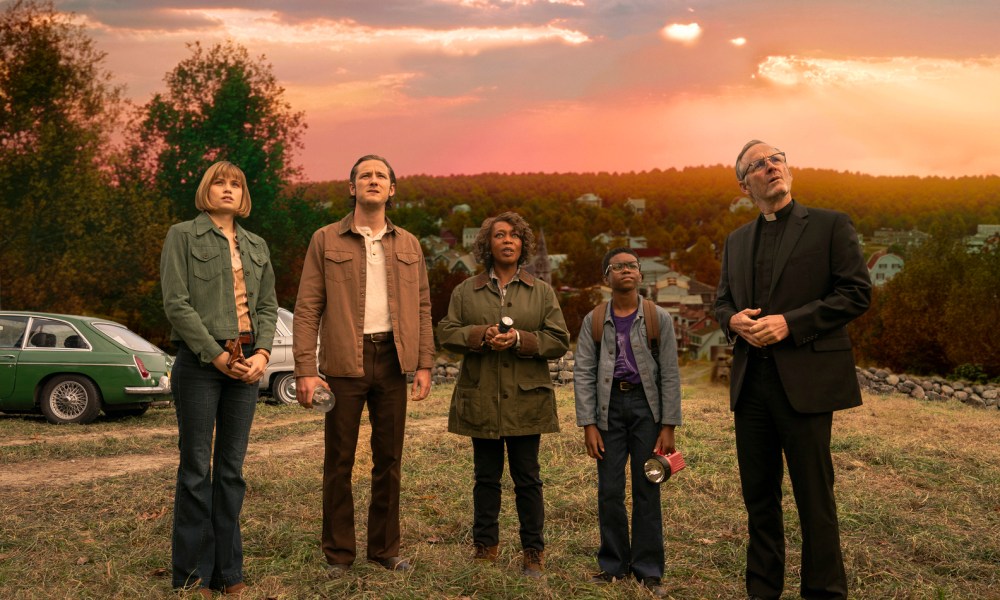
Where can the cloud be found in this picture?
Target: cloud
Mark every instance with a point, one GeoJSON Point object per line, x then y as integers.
{"type": "Point", "coordinates": [798, 70]}
{"type": "Point", "coordinates": [685, 34]}
{"type": "Point", "coordinates": [344, 34]}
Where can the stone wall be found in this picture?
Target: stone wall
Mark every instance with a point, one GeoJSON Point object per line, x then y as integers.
{"type": "Point", "coordinates": [881, 381]}
{"type": "Point", "coordinates": [446, 370]}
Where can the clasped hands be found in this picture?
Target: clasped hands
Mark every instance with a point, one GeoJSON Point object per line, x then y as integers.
{"type": "Point", "coordinates": [499, 341]}
{"type": "Point", "coordinates": [760, 332]}
{"type": "Point", "coordinates": [234, 364]}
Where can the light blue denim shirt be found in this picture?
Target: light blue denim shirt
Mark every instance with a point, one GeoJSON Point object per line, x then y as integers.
{"type": "Point", "coordinates": [592, 375]}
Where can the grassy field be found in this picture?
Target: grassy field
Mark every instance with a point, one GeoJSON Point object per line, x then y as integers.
{"type": "Point", "coordinates": [86, 511]}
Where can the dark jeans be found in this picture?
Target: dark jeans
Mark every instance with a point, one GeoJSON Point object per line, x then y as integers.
{"type": "Point", "coordinates": [631, 436]}
{"type": "Point", "coordinates": [766, 427]}
{"type": "Point", "coordinates": [383, 389]}
{"type": "Point", "coordinates": [522, 456]}
{"type": "Point", "coordinates": [206, 542]}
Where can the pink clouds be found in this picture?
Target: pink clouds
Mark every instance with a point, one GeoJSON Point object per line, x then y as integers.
{"type": "Point", "coordinates": [465, 86]}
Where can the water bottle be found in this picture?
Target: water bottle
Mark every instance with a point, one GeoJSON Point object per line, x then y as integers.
{"type": "Point", "coordinates": [322, 399]}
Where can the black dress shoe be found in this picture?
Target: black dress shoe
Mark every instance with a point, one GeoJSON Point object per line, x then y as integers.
{"type": "Point", "coordinates": [393, 563]}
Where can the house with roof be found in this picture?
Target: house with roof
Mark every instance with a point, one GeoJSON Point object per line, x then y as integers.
{"type": "Point", "coordinates": [635, 242]}
{"type": "Point", "coordinates": [589, 199]}
{"type": "Point", "coordinates": [906, 239]}
{"type": "Point", "coordinates": [638, 205]}
{"type": "Point", "coordinates": [985, 235]}
{"type": "Point", "coordinates": [469, 236]}
{"type": "Point", "coordinates": [702, 337]}
{"type": "Point", "coordinates": [883, 266]}
{"type": "Point", "coordinates": [741, 204]}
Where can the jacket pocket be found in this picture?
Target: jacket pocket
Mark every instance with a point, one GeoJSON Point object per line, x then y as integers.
{"type": "Point", "coordinates": [472, 412]}
{"type": "Point", "coordinates": [536, 403]}
{"type": "Point", "coordinates": [408, 264]}
{"type": "Point", "coordinates": [207, 263]}
{"type": "Point", "coordinates": [339, 265]}
{"type": "Point", "coordinates": [828, 344]}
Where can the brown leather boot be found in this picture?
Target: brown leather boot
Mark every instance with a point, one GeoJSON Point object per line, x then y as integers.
{"type": "Point", "coordinates": [532, 563]}
{"type": "Point", "coordinates": [486, 552]}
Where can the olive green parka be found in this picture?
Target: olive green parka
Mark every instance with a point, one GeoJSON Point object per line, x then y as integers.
{"type": "Point", "coordinates": [505, 393]}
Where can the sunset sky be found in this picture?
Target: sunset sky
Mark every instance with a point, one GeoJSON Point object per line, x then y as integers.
{"type": "Point", "coordinates": [890, 87]}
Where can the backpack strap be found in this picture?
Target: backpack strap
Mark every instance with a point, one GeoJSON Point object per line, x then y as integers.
{"type": "Point", "coordinates": [597, 323]}
{"type": "Point", "coordinates": [652, 327]}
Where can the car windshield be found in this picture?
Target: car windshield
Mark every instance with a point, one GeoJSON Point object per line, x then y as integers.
{"type": "Point", "coordinates": [126, 337]}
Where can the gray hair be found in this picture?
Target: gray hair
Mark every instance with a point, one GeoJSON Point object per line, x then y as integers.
{"type": "Point", "coordinates": [741, 176]}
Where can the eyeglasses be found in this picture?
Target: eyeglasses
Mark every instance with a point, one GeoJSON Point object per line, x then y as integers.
{"type": "Point", "coordinates": [777, 159]}
{"type": "Point", "coordinates": [619, 267]}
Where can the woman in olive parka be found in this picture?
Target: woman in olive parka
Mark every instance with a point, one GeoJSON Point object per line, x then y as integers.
{"type": "Point", "coordinates": [504, 396]}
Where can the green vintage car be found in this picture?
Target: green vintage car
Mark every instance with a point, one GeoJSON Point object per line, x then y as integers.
{"type": "Point", "coordinates": [70, 368]}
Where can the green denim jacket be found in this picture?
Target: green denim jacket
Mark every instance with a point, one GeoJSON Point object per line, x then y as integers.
{"type": "Point", "coordinates": [196, 275]}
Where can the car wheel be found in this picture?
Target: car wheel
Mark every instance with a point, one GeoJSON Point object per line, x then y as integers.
{"type": "Point", "coordinates": [70, 399]}
{"type": "Point", "coordinates": [283, 388]}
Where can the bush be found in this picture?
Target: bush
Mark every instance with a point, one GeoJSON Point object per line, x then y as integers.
{"type": "Point", "coordinates": [969, 372]}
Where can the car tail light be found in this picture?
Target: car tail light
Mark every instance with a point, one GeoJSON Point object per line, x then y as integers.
{"type": "Point", "coordinates": [140, 366]}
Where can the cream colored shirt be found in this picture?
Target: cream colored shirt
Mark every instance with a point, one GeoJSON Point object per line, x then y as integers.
{"type": "Point", "coordinates": [239, 287]}
{"type": "Point", "coordinates": [377, 318]}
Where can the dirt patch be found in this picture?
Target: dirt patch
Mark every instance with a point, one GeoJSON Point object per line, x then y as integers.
{"type": "Point", "coordinates": [53, 473]}
{"type": "Point", "coordinates": [70, 471]}
{"type": "Point", "coordinates": [130, 434]}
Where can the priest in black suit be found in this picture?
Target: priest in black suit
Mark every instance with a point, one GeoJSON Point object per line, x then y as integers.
{"type": "Point", "coordinates": [792, 279]}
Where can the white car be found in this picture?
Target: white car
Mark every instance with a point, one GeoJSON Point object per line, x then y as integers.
{"type": "Point", "coordinates": [279, 376]}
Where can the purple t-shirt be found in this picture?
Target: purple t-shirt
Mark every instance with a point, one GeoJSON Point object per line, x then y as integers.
{"type": "Point", "coordinates": [625, 367]}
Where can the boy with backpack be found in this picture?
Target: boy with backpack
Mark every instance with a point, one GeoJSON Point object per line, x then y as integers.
{"type": "Point", "coordinates": [628, 401]}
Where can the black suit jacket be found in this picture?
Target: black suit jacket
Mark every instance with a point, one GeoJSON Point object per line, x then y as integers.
{"type": "Point", "coordinates": [820, 284]}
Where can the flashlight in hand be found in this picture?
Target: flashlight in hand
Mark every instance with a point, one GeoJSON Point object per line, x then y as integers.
{"type": "Point", "coordinates": [505, 324]}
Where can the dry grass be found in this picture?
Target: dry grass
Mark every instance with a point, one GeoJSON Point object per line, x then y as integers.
{"type": "Point", "coordinates": [918, 490]}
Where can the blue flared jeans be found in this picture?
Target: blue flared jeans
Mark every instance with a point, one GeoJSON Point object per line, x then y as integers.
{"type": "Point", "coordinates": [630, 438]}
{"type": "Point", "coordinates": [207, 549]}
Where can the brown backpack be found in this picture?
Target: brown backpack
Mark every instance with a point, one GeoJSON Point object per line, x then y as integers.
{"type": "Point", "coordinates": [652, 325]}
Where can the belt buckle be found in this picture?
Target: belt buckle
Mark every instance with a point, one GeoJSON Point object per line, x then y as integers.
{"type": "Point", "coordinates": [624, 386]}
{"type": "Point", "coordinates": [376, 338]}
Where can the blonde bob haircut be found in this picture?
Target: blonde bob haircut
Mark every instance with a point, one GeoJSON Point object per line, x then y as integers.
{"type": "Point", "coordinates": [224, 169]}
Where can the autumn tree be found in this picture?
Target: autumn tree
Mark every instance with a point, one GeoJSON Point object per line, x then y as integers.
{"type": "Point", "coordinates": [222, 104]}
{"type": "Point", "coordinates": [700, 262]}
{"type": "Point", "coordinates": [974, 300]}
{"type": "Point", "coordinates": [904, 330]}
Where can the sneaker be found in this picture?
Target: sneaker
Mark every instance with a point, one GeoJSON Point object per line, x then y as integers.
{"type": "Point", "coordinates": [654, 587]}
{"type": "Point", "coordinates": [604, 577]}
{"type": "Point", "coordinates": [532, 563]}
{"type": "Point", "coordinates": [487, 553]}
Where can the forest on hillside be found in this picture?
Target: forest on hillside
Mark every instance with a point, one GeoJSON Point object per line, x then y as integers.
{"type": "Point", "coordinates": [681, 205]}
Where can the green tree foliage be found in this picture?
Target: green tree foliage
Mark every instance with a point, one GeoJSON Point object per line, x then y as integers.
{"type": "Point", "coordinates": [221, 104]}
{"type": "Point", "coordinates": [64, 227]}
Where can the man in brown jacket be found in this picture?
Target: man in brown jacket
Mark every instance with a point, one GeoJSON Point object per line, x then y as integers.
{"type": "Point", "coordinates": [364, 292]}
